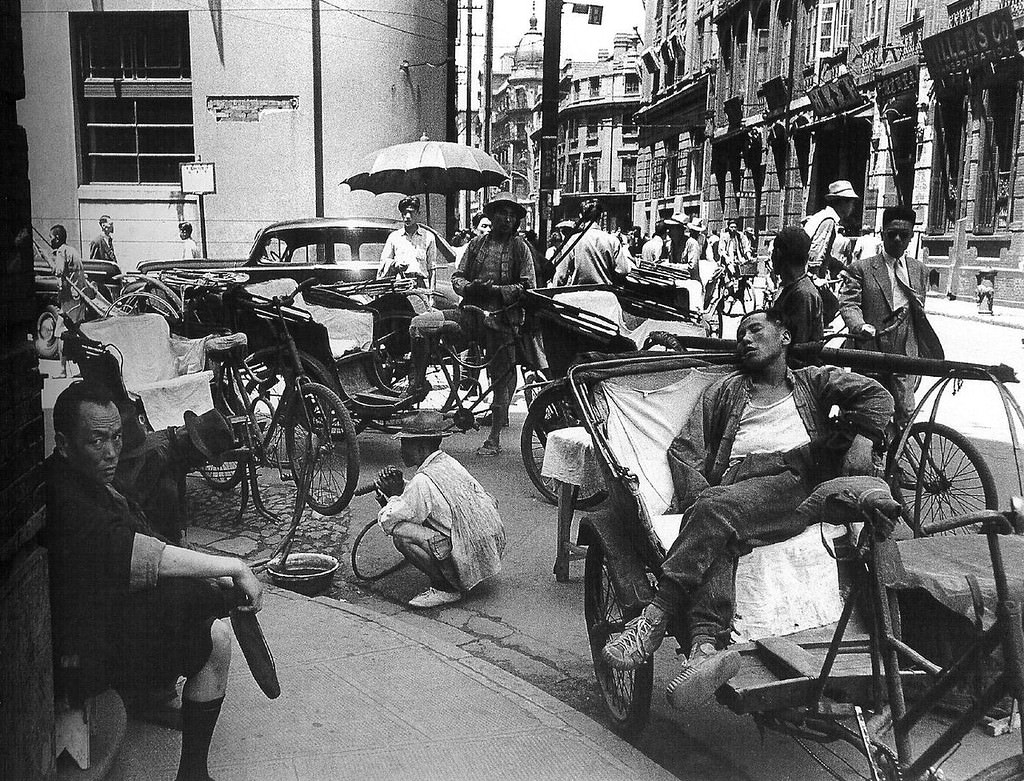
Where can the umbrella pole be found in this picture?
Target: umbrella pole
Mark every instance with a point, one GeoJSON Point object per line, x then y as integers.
{"type": "Point", "coordinates": [428, 208]}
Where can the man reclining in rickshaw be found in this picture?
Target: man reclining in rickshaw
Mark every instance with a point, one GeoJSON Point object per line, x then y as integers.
{"type": "Point", "coordinates": [756, 468]}
{"type": "Point", "coordinates": [493, 273]}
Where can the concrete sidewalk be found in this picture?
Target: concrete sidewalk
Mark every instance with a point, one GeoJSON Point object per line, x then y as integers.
{"type": "Point", "coordinates": [366, 696]}
{"type": "Point", "coordinates": [963, 309]}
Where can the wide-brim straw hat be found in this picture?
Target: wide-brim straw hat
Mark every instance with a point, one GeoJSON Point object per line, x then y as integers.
{"type": "Point", "coordinates": [505, 199]}
{"type": "Point", "coordinates": [425, 424]}
{"type": "Point", "coordinates": [841, 189]}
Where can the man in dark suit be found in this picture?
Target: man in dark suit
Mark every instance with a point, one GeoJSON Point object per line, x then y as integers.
{"type": "Point", "coordinates": [874, 289]}
{"type": "Point", "coordinates": [101, 247]}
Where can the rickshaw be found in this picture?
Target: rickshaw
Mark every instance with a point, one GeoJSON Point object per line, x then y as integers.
{"type": "Point", "coordinates": [825, 665]}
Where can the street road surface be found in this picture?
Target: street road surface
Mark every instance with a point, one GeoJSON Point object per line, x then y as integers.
{"type": "Point", "coordinates": [533, 626]}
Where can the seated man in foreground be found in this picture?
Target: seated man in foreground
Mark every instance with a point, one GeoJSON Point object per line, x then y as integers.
{"type": "Point", "coordinates": [128, 608]}
{"type": "Point", "coordinates": [443, 521]}
{"type": "Point", "coordinates": [757, 467]}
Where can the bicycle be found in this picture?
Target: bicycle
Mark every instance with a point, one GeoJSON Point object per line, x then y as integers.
{"type": "Point", "coordinates": [725, 291]}
{"type": "Point", "coordinates": [276, 403]}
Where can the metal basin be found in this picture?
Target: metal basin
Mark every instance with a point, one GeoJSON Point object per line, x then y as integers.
{"type": "Point", "coordinates": [306, 573]}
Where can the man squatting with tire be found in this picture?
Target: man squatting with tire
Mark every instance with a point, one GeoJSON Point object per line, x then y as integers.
{"type": "Point", "coordinates": [760, 464]}
{"type": "Point", "coordinates": [495, 270]}
{"type": "Point", "coordinates": [129, 608]}
{"type": "Point", "coordinates": [442, 521]}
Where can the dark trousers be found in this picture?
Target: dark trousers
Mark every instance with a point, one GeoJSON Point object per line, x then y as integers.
{"type": "Point", "coordinates": [729, 520]}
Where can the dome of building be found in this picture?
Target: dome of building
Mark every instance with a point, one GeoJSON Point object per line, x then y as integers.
{"type": "Point", "coordinates": [529, 52]}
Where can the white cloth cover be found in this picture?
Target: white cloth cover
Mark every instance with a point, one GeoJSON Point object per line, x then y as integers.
{"type": "Point", "coordinates": [569, 458]}
{"type": "Point", "coordinates": [347, 329]}
{"type": "Point", "coordinates": [165, 371]}
{"type": "Point", "coordinates": [780, 589]}
{"type": "Point", "coordinates": [606, 304]}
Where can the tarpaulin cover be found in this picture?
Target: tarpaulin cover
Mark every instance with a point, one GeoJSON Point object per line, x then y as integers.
{"type": "Point", "coordinates": [347, 329]}
{"type": "Point", "coordinates": [165, 371]}
{"type": "Point", "coordinates": [957, 571]}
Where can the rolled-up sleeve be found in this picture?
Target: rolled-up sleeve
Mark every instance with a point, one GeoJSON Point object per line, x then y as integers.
{"type": "Point", "coordinates": [413, 506]}
{"type": "Point", "coordinates": [145, 565]}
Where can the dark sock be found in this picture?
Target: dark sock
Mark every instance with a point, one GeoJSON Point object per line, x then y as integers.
{"type": "Point", "coordinates": [198, 720]}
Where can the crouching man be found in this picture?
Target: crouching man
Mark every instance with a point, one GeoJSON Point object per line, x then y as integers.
{"type": "Point", "coordinates": [759, 466]}
{"type": "Point", "coordinates": [443, 521]}
{"type": "Point", "coordinates": [128, 608]}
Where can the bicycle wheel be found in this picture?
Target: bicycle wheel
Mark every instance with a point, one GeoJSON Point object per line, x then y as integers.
{"type": "Point", "coordinates": [319, 437]}
{"type": "Point", "coordinates": [953, 475]}
{"type": "Point", "coordinates": [551, 410]}
{"type": "Point", "coordinates": [228, 402]}
{"type": "Point", "coordinates": [1009, 769]}
{"type": "Point", "coordinates": [626, 693]}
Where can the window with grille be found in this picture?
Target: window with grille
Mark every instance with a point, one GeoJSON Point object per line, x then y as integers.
{"type": "Point", "coordinates": [763, 60]}
{"type": "Point", "coordinates": [595, 87]}
{"type": "Point", "coordinates": [592, 131]}
{"type": "Point", "coordinates": [739, 71]}
{"type": "Point", "coordinates": [811, 35]}
{"type": "Point", "coordinates": [995, 166]}
{"type": "Point", "coordinates": [632, 84]}
{"type": "Point", "coordinates": [628, 173]}
{"type": "Point", "coordinates": [133, 84]}
{"type": "Point", "coordinates": [872, 15]}
{"type": "Point", "coordinates": [826, 29]}
{"type": "Point", "coordinates": [947, 165]}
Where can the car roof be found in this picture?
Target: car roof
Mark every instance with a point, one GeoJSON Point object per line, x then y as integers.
{"type": "Point", "coordinates": [307, 223]}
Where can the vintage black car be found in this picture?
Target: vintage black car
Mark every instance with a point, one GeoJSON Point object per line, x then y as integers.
{"type": "Point", "coordinates": [331, 249]}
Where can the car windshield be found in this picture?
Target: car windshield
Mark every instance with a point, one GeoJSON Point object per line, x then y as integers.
{"type": "Point", "coordinates": [352, 247]}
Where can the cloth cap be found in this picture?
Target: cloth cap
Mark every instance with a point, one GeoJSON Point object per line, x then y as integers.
{"type": "Point", "coordinates": [426, 424]}
{"type": "Point", "coordinates": [841, 189]}
{"type": "Point", "coordinates": [210, 433]}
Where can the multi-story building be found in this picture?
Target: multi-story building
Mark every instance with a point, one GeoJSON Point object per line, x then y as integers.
{"type": "Point", "coordinates": [597, 134]}
{"type": "Point", "coordinates": [969, 174]}
{"type": "Point", "coordinates": [515, 92]}
{"type": "Point", "coordinates": [677, 69]}
{"type": "Point", "coordinates": [279, 99]}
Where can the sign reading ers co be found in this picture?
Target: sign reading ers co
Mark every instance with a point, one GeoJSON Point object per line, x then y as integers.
{"type": "Point", "coordinates": [198, 178]}
{"type": "Point", "coordinates": [973, 43]}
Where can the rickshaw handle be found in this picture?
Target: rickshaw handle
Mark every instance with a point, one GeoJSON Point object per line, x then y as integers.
{"type": "Point", "coordinates": [988, 518]}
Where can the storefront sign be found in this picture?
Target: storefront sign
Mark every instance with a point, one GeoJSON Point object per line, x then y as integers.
{"type": "Point", "coordinates": [198, 178]}
{"type": "Point", "coordinates": [548, 162]}
{"type": "Point", "coordinates": [835, 96]}
{"type": "Point", "coordinates": [971, 44]}
{"type": "Point", "coordinates": [893, 84]}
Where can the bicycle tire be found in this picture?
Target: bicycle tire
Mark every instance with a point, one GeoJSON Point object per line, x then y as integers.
{"type": "Point", "coordinates": [1009, 769]}
{"type": "Point", "coordinates": [128, 303]}
{"type": "Point", "coordinates": [321, 414]}
{"type": "Point", "coordinates": [227, 402]}
{"type": "Point", "coordinates": [625, 694]}
{"type": "Point", "coordinates": [550, 410]}
{"type": "Point", "coordinates": [957, 481]}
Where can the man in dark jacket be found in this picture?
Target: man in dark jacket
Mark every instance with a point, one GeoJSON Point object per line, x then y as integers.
{"type": "Point", "coordinates": [128, 608]}
{"type": "Point", "coordinates": [799, 302]}
{"type": "Point", "coordinates": [757, 467]}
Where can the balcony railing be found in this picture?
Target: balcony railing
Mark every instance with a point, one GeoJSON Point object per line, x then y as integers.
{"type": "Point", "coordinates": [599, 186]}
{"type": "Point", "coordinates": [1016, 7]}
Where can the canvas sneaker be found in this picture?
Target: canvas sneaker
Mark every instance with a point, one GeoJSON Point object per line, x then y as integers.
{"type": "Point", "coordinates": [434, 597]}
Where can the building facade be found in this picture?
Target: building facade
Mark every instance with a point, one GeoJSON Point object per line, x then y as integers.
{"type": "Point", "coordinates": [277, 97]}
{"type": "Point", "coordinates": [516, 90]}
{"type": "Point", "coordinates": [677, 83]}
{"type": "Point", "coordinates": [597, 133]}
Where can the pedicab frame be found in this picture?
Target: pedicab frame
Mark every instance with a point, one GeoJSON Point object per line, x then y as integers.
{"type": "Point", "coordinates": [801, 694]}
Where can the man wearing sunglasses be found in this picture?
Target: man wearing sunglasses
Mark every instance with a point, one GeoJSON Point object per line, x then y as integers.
{"type": "Point", "coordinates": [873, 291]}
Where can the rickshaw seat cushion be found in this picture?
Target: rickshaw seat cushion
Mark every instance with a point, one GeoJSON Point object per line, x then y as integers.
{"type": "Point", "coordinates": [165, 370]}
{"type": "Point", "coordinates": [606, 304]}
{"type": "Point", "coordinates": [781, 588]}
{"type": "Point", "coordinates": [956, 570]}
{"type": "Point", "coordinates": [347, 329]}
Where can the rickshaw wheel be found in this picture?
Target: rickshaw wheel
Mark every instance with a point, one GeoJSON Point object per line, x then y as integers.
{"type": "Point", "coordinates": [227, 402]}
{"type": "Point", "coordinates": [626, 693]}
{"type": "Point", "coordinates": [322, 426]}
{"type": "Point", "coordinates": [550, 410]}
{"type": "Point", "coordinates": [1007, 770]}
{"type": "Point", "coordinates": [956, 480]}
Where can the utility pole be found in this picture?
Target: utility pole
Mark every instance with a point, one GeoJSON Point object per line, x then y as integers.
{"type": "Point", "coordinates": [318, 113]}
{"type": "Point", "coordinates": [488, 66]}
{"type": "Point", "coordinates": [549, 114]}
{"type": "Point", "coordinates": [451, 202]}
{"type": "Point", "coordinates": [469, 92]}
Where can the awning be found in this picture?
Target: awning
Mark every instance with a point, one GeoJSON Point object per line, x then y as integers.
{"type": "Point", "coordinates": [860, 112]}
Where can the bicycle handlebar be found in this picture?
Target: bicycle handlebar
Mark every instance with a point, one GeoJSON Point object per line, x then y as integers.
{"type": "Point", "coordinates": [988, 519]}
{"type": "Point", "coordinates": [289, 300]}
